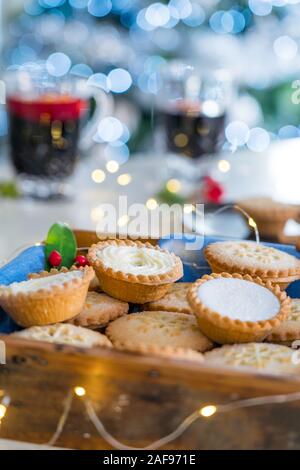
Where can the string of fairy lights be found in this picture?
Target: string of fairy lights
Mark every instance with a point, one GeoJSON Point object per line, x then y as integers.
{"type": "Point", "coordinates": [202, 413]}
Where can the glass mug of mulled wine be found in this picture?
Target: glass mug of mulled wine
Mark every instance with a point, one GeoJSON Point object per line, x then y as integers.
{"type": "Point", "coordinates": [192, 105]}
{"type": "Point", "coordinates": [51, 121]}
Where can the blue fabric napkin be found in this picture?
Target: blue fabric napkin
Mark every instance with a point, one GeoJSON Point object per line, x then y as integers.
{"type": "Point", "coordinates": [31, 260]}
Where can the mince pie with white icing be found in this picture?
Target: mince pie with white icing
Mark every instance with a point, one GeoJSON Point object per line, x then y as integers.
{"type": "Point", "coordinates": [237, 309]}
{"type": "Point", "coordinates": [47, 297]}
{"type": "Point", "coordinates": [134, 271]}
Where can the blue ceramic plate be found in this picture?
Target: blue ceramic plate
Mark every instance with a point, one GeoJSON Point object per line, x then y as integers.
{"type": "Point", "coordinates": [33, 259]}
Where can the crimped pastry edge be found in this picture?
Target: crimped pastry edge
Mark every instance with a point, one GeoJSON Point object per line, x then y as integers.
{"type": "Point", "coordinates": [229, 324]}
{"type": "Point", "coordinates": [173, 275]}
{"type": "Point", "coordinates": [226, 266]}
{"type": "Point", "coordinates": [88, 274]}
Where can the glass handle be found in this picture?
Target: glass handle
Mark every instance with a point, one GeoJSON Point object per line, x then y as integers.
{"type": "Point", "coordinates": [104, 107]}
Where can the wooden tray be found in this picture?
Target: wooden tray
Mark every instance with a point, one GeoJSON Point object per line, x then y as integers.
{"type": "Point", "coordinates": [139, 399]}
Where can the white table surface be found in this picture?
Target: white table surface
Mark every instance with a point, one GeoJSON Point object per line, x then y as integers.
{"type": "Point", "coordinates": [275, 172]}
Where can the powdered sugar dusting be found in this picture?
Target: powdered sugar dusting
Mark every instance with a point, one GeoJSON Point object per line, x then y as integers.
{"type": "Point", "coordinates": [239, 299]}
{"type": "Point", "coordinates": [46, 282]}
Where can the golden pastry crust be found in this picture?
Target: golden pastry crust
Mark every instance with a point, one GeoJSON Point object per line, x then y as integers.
{"type": "Point", "coordinates": [135, 288]}
{"type": "Point", "coordinates": [98, 310]}
{"type": "Point", "coordinates": [289, 330]}
{"type": "Point", "coordinates": [175, 300]}
{"type": "Point", "coordinates": [46, 306]}
{"type": "Point", "coordinates": [62, 333]}
{"type": "Point", "coordinates": [222, 329]}
{"type": "Point", "coordinates": [260, 357]}
{"type": "Point", "coordinates": [171, 276]}
{"type": "Point", "coordinates": [257, 260]}
{"type": "Point", "coordinates": [158, 330]}
{"type": "Point", "coordinates": [167, 352]}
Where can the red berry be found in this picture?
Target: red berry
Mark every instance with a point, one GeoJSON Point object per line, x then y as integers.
{"type": "Point", "coordinates": [81, 261]}
{"type": "Point", "coordinates": [213, 190]}
{"type": "Point", "coordinates": [55, 258]}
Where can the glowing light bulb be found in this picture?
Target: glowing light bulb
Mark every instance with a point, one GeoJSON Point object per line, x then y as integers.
{"type": "Point", "coordinates": [2, 411]}
{"type": "Point", "coordinates": [208, 411]}
{"type": "Point", "coordinates": [79, 391]}
{"type": "Point", "coordinates": [173, 185]}
{"type": "Point", "coordinates": [252, 222]}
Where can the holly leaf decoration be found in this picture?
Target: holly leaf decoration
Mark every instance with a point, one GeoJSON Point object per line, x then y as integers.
{"type": "Point", "coordinates": [62, 239]}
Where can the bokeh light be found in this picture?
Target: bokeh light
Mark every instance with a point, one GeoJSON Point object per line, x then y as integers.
{"type": "Point", "coordinates": [112, 166]}
{"type": "Point", "coordinates": [215, 21]}
{"type": "Point", "coordinates": [285, 47]}
{"type": "Point", "coordinates": [231, 21]}
{"type": "Point", "coordinates": [259, 139]}
{"type": "Point", "coordinates": [288, 132]}
{"type": "Point", "coordinates": [151, 204]}
{"type": "Point", "coordinates": [196, 17]}
{"type": "Point", "coordinates": [81, 70]}
{"type": "Point", "coordinates": [99, 8]}
{"type": "Point", "coordinates": [124, 179]}
{"type": "Point", "coordinates": [260, 7]}
{"type": "Point", "coordinates": [142, 22]}
{"type": "Point", "coordinates": [119, 80]}
{"type": "Point", "coordinates": [237, 133]}
{"type": "Point", "coordinates": [98, 176]}
{"type": "Point", "coordinates": [58, 64]}
{"type": "Point", "coordinates": [183, 7]}
{"type": "Point", "coordinates": [31, 7]}
{"type": "Point", "coordinates": [224, 166]}
{"type": "Point", "coordinates": [173, 185]}
{"type": "Point", "coordinates": [98, 80]}
{"type": "Point", "coordinates": [110, 129]}
{"type": "Point", "coordinates": [157, 14]}
{"type": "Point", "coordinates": [117, 151]}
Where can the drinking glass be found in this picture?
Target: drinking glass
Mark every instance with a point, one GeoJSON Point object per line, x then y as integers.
{"type": "Point", "coordinates": [50, 123]}
{"type": "Point", "coordinates": [193, 105]}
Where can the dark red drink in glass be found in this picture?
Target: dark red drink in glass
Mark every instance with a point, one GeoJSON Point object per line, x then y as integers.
{"type": "Point", "coordinates": [44, 134]}
{"type": "Point", "coordinates": [46, 111]}
{"type": "Point", "coordinates": [192, 132]}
